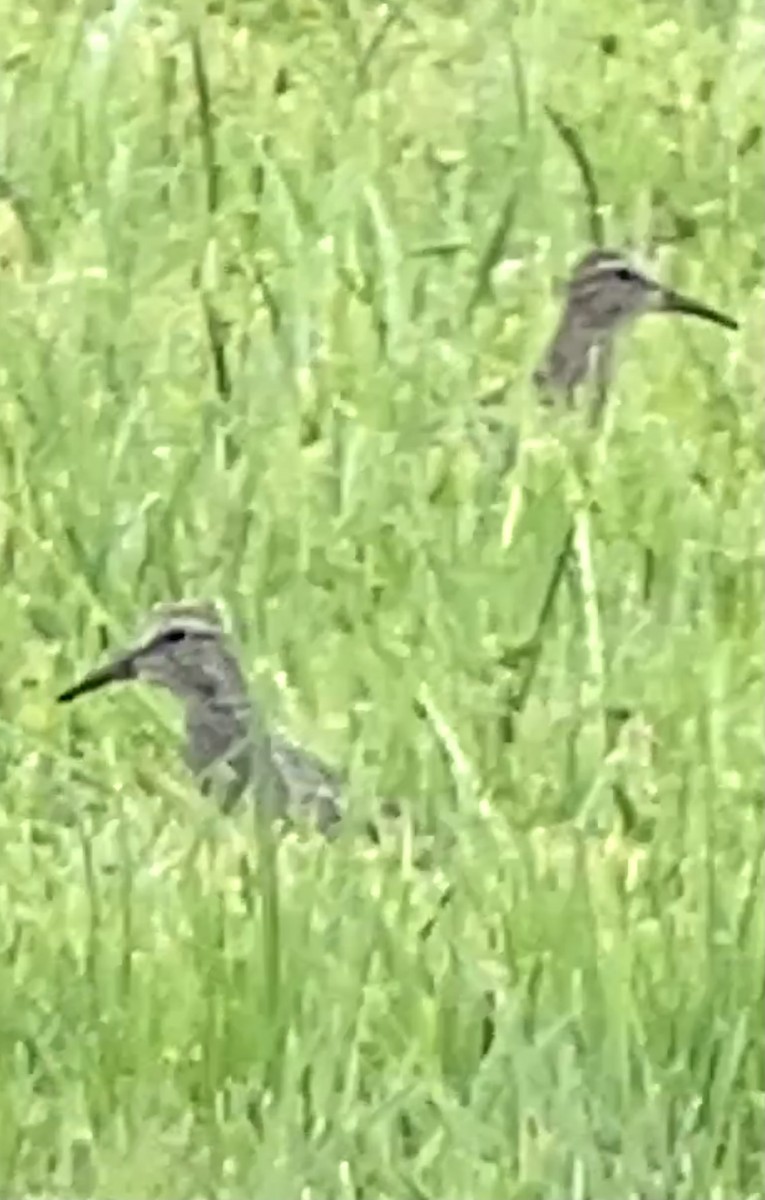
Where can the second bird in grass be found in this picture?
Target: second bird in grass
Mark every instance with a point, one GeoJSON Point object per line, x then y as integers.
{"type": "Point", "coordinates": [605, 294]}
{"type": "Point", "coordinates": [229, 746]}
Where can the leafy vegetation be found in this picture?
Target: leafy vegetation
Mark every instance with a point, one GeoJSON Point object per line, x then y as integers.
{"type": "Point", "coordinates": [262, 265]}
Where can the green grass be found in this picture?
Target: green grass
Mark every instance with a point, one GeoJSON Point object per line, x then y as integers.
{"type": "Point", "coordinates": [584, 1019]}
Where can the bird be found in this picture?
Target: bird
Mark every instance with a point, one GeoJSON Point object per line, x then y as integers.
{"type": "Point", "coordinates": [605, 294]}
{"type": "Point", "coordinates": [183, 647]}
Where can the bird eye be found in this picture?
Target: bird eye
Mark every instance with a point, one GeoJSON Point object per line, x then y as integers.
{"type": "Point", "coordinates": [625, 274]}
{"type": "Point", "coordinates": [175, 635]}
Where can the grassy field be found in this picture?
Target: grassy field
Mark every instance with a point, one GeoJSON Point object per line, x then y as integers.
{"type": "Point", "coordinates": [259, 266]}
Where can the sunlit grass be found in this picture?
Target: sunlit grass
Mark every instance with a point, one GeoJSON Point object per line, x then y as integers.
{"type": "Point", "coordinates": [376, 249]}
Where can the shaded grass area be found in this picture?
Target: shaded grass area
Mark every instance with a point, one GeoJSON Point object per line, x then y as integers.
{"type": "Point", "coordinates": [260, 265]}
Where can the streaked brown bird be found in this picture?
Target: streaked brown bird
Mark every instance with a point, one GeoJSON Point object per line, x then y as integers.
{"type": "Point", "coordinates": [605, 294]}
{"type": "Point", "coordinates": [228, 746]}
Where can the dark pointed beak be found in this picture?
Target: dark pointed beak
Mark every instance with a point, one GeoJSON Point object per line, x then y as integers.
{"type": "Point", "coordinates": [675, 302]}
{"type": "Point", "coordinates": [120, 668]}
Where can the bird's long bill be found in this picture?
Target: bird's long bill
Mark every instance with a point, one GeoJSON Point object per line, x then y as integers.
{"type": "Point", "coordinates": [122, 667]}
{"type": "Point", "coordinates": [676, 302]}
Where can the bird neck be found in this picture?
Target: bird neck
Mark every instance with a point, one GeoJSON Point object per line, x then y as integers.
{"type": "Point", "coordinates": [227, 728]}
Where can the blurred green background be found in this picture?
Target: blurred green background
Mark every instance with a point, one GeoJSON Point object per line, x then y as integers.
{"type": "Point", "coordinates": [259, 263]}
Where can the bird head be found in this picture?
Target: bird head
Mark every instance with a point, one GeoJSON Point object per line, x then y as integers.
{"type": "Point", "coordinates": [606, 291]}
{"type": "Point", "coordinates": [182, 649]}
{"type": "Point", "coordinates": [604, 294]}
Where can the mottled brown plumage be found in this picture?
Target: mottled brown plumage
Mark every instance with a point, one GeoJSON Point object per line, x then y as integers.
{"type": "Point", "coordinates": [228, 747]}
{"type": "Point", "coordinates": [605, 294]}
